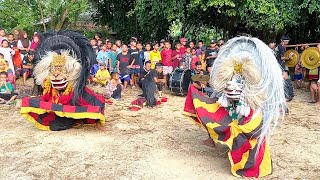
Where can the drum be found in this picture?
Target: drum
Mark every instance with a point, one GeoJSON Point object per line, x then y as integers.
{"type": "Point", "coordinates": [179, 81]}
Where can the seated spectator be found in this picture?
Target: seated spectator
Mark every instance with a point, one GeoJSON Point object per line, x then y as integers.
{"type": "Point", "coordinates": [12, 42]}
{"type": "Point", "coordinates": [114, 87]}
{"type": "Point", "coordinates": [102, 76]}
{"type": "Point", "coordinates": [198, 68]}
{"type": "Point", "coordinates": [160, 79]}
{"type": "Point", "coordinates": [4, 67]}
{"type": "Point", "coordinates": [27, 66]}
{"type": "Point", "coordinates": [6, 90]}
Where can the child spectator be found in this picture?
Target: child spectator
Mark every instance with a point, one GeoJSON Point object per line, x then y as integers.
{"type": "Point", "coordinates": [119, 44]}
{"type": "Point", "coordinates": [7, 53]}
{"type": "Point", "coordinates": [93, 43]}
{"type": "Point", "coordinates": [298, 75]}
{"type": "Point", "coordinates": [27, 66]}
{"type": "Point", "coordinates": [183, 42]}
{"type": "Point", "coordinates": [147, 52]}
{"type": "Point", "coordinates": [288, 88]}
{"type": "Point", "coordinates": [203, 60]}
{"type": "Point", "coordinates": [6, 90]}
{"type": "Point", "coordinates": [102, 77]}
{"type": "Point", "coordinates": [99, 43]}
{"type": "Point", "coordinates": [35, 42]}
{"type": "Point", "coordinates": [123, 65]}
{"type": "Point", "coordinates": [313, 78]}
{"type": "Point", "coordinates": [24, 44]}
{"type": "Point", "coordinates": [176, 55]}
{"type": "Point", "coordinates": [155, 55]}
{"type": "Point", "coordinates": [114, 87]}
{"type": "Point", "coordinates": [166, 59]}
{"type": "Point", "coordinates": [191, 45]}
{"type": "Point", "coordinates": [134, 61]}
{"type": "Point", "coordinates": [113, 58]}
{"type": "Point", "coordinates": [160, 79]}
{"type": "Point", "coordinates": [17, 62]}
{"type": "Point", "coordinates": [194, 58]}
{"type": "Point", "coordinates": [200, 48]}
{"type": "Point", "coordinates": [102, 58]}
{"type": "Point", "coordinates": [141, 58]}
{"type": "Point", "coordinates": [12, 42]}
{"type": "Point", "coordinates": [187, 57]}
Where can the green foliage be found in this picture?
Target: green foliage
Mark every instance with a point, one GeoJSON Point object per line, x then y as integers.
{"type": "Point", "coordinates": [17, 13]}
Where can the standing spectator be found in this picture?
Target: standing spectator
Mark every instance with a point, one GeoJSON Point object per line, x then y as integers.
{"type": "Point", "coordinates": [211, 52]}
{"type": "Point", "coordinates": [109, 46]}
{"type": "Point", "coordinates": [155, 55]}
{"type": "Point", "coordinates": [200, 48]}
{"type": "Point", "coordinates": [16, 34]}
{"type": "Point", "coordinates": [12, 42]}
{"type": "Point", "coordinates": [141, 58]}
{"type": "Point", "coordinates": [24, 44]}
{"type": "Point", "coordinates": [35, 42]}
{"type": "Point", "coordinates": [191, 45]}
{"type": "Point", "coordinates": [113, 58]}
{"type": "Point", "coordinates": [183, 42]}
{"type": "Point", "coordinates": [119, 44]}
{"type": "Point", "coordinates": [161, 45]}
{"type": "Point", "coordinates": [147, 52]}
{"type": "Point", "coordinates": [98, 36]}
{"type": "Point", "coordinates": [194, 58]}
{"type": "Point", "coordinates": [123, 65]}
{"type": "Point", "coordinates": [176, 55]}
{"type": "Point", "coordinates": [166, 59]}
{"type": "Point", "coordinates": [7, 53]}
{"type": "Point", "coordinates": [220, 42]}
{"type": "Point", "coordinates": [2, 34]}
{"type": "Point", "coordinates": [102, 58]}
{"type": "Point", "coordinates": [134, 61]}
{"type": "Point", "coordinates": [187, 58]}
{"type": "Point", "coordinates": [93, 43]}
{"type": "Point", "coordinates": [99, 43]}
{"type": "Point", "coordinates": [27, 66]}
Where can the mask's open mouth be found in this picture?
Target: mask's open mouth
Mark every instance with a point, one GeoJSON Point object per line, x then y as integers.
{"type": "Point", "coordinates": [59, 84]}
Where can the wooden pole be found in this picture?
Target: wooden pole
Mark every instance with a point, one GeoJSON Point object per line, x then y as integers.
{"type": "Point", "coordinates": [307, 44]}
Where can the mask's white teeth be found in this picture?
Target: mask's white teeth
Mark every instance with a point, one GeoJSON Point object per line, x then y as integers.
{"type": "Point", "coordinates": [59, 82]}
{"type": "Point", "coordinates": [60, 87]}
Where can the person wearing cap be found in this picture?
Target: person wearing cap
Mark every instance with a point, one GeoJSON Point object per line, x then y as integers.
{"type": "Point", "coordinates": [27, 66]}
{"type": "Point", "coordinates": [280, 50]}
{"type": "Point", "coordinates": [211, 52]}
{"type": "Point", "coordinates": [183, 42]}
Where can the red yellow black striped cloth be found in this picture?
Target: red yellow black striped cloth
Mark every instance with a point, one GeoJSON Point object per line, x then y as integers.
{"type": "Point", "coordinates": [50, 116]}
{"type": "Point", "coordinates": [240, 135]}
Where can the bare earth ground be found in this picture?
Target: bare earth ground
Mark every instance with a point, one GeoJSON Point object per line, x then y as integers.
{"type": "Point", "coordinates": [157, 143]}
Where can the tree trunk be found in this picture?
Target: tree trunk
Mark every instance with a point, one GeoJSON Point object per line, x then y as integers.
{"type": "Point", "coordinates": [63, 16]}
{"type": "Point", "coordinates": [41, 15]}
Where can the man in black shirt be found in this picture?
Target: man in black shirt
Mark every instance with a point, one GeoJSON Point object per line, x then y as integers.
{"type": "Point", "coordinates": [211, 52]}
{"type": "Point", "coordinates": [27, 66]}
{"type": "Point", "coordinates": [134, 62]}
{"type": "Point", "coordinates": [147, 84]}
{"type": "Point", "coordinates": [123, 65]}
{"type": "Point", "coordinates": [280, 50]}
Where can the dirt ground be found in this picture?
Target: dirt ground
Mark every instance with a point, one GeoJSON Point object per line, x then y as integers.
{"type": "Point", "coordinates": [157, 143]}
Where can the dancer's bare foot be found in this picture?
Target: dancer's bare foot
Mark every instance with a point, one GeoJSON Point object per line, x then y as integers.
{"type": "Point", "coordinates": [209, 142]}
{"type": "Point", "coordinates": [318, 103]}
{"type": "Point", "coordinates": [100, 127]}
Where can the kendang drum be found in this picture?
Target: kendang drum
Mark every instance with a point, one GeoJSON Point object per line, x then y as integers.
{"type": "Point", "coordinates": [179, 81]}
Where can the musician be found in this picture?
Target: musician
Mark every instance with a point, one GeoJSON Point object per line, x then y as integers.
{"type": "Point", "coordinates": [280, 50]}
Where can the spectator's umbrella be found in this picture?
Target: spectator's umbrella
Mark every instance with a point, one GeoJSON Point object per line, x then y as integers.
{"type": "Point", "coordinates": [310, 58]}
